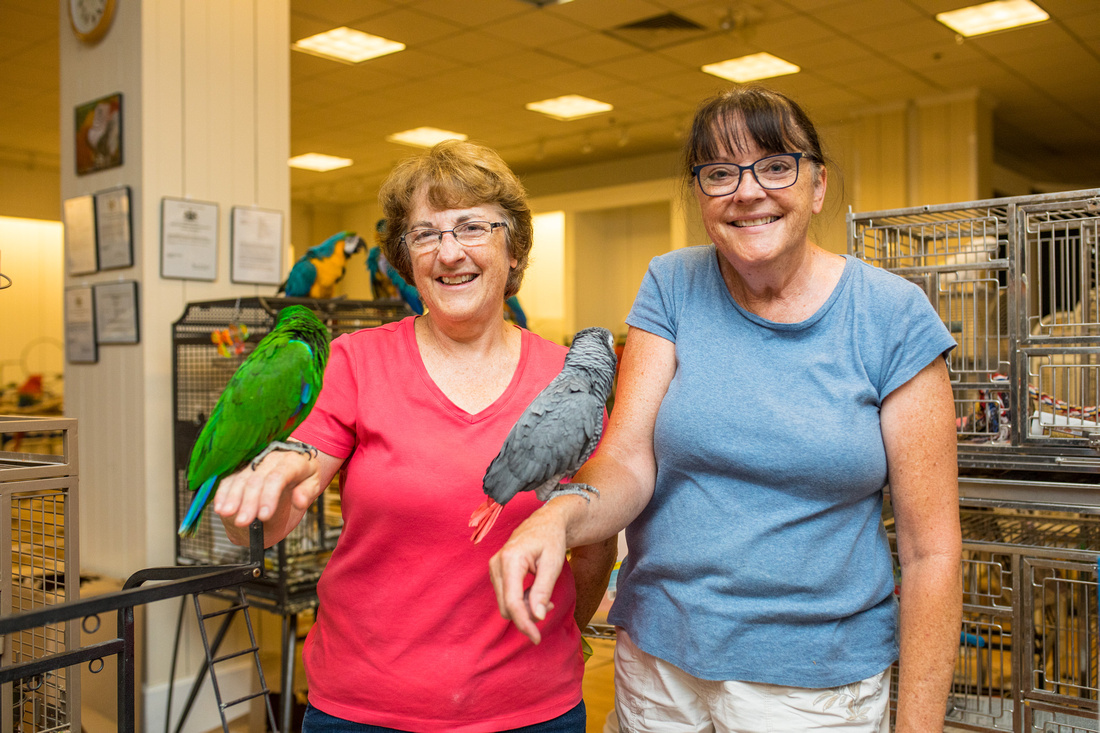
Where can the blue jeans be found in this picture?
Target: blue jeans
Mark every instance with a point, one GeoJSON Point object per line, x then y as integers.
{"type": "Point", "coordinates": [317, 721]}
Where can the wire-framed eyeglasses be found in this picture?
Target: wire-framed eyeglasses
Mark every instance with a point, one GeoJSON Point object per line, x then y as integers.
{"type": "Point", "coordinates": [468, 234]}
{"type": "Point", "coordinates": [771, 172]}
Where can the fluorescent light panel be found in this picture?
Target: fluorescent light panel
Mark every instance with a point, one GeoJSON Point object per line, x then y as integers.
{"type": "Point", "coordinates": [424, 137]}
{"type": "Point", "coordinates": [319, 162]}
{"type": "Point", "coordinates": [751, 68]}
{"type": "Point", "coordinates": [570, 107]}
{"type": "Point", "coordinates": [347, 45]}
{"type": "Point", "coordinates": [994, 16]}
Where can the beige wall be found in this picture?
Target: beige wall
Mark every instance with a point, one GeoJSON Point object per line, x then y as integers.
{"type": "Point", "coordinates": [30, 310]}
{"type": "Point", "coordinates": [29, 191]}
{"type": "Point", "coordinates": [612, 249]}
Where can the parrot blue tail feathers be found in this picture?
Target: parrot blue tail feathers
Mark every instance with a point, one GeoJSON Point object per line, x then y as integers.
{"type": "Point", "coordinates": [190, 523]}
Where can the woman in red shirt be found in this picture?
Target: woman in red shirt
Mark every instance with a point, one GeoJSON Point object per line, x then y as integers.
{"type": "Point", "coordinates": [408, 635]}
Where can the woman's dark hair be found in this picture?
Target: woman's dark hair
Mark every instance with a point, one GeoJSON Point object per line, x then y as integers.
{"type": "Point", "coordinates": [456, 174]}
{"type": "Point", "coordinates": [731, 122]}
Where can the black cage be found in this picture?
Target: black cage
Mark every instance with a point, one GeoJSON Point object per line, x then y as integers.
{"type": "Point", "coordinates": [200, 371]}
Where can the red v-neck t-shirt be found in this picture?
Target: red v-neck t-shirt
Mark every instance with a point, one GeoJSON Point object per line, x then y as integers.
{"type": "Point", "coordinates": [408, 634]}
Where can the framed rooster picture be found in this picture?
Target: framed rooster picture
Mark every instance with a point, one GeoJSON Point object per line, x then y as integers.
{"type": "Point", "coordinates": [98, 133]}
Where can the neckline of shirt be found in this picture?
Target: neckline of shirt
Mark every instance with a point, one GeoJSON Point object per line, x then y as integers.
{"type": "Point", "coordinates": [849, 264]}
{"type": "Point", "coordinates": [495, 406]}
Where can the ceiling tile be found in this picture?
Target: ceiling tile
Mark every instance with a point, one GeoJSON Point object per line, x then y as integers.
{"type": "Point", "coordinates": [336, 13]}
{"type": "Point", "coordinates": [407, 26]}
{"type": "Point", "coordinates": [530, 65]}
{"type": "Point", "coordinates": [706, 50]}
{"type": "Point", "coordinates": [1041, 37]}
{"type": "Point", "coordinates": [473, 48]}
{"type": "Point", "coordinates": [888, 88]}
{"type": "Point", "coordinates": [831, 53]}
{"type": "Point", "coordinates": [466, 15]}
{"type": "Point", "coordinates": [591, 48]}
{"type": "Point", "coordinates": [604, 14]}
{"type": "Point", "coordinates": [908, 36]}
{"type": "Point", "coordinates": [537, 29]}
{"type": "Point", "coordinates": [641, 67]}
{"type": "Point", "coordinates": [582, 81]}
{"type": "Point", "coordinates": [858, 16]}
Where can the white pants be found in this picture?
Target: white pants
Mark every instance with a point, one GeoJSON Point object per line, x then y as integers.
{"type": "Point", "coordinates": [653, 696]}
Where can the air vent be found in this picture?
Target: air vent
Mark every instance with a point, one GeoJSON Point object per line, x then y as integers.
{"type": "Point", "coordinates": [659, 31]}
{"type": "Point", "coordinates": [666, 22]}
{"type": "Point", "coordinates": [544, 3]}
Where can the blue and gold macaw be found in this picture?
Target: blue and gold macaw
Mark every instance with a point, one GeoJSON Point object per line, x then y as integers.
{"type": "Point", "coordinates": [316, 273]}
{"type": "Point", "coordinates": [386, 282]}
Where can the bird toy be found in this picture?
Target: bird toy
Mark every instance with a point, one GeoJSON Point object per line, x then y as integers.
{"type": "Point", "coordinates": [230, 341]}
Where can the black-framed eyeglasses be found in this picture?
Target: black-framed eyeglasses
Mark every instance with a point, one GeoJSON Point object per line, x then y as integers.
{"type": "Point", "coordinates": [468, 233]}
{"type": "Point", "coordinates": [771, 172]}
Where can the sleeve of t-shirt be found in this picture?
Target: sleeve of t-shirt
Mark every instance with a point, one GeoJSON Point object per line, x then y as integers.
{"type": "Point", "coordinates": [916, 337]}
{"type": "Point", "coordinates": [330, 426]}
{"type": "Point", "coordinates": [653, 308]}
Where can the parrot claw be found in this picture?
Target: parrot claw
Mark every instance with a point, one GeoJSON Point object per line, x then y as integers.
{"type": "Point", "coordinates": [576, 489]}
{"type": "Point", "coordinates": [275, 445]}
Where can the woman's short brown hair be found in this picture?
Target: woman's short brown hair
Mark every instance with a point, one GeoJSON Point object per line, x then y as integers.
{"type": "Point", "coordinates": [456, 175]}
{"type": "Point", "coordinates": [745, 115]}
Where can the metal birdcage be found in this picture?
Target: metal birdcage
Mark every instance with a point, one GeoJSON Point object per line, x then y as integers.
{"type": "Point", "coordinates": [1016, 282]}
{"type": "Point", "coordinates": [208, 348]}
{"type": "Point", "coordinates": [38, 480]}
{"type": "Point", "coordinates": [209, 342]}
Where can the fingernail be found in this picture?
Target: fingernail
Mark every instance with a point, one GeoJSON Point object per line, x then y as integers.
{"type": "Point", "coordinates": [540, 611]}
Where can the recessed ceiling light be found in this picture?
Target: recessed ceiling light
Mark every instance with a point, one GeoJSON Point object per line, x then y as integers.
{"type": "Point", "coordinates": [319, 162]}
{"type": "Point", "coordinates": [751, 68]}
{"type": "Point", "coordinates": [569, 107]}
{"type": "Point", "coordinates": [989, 17]}
{"type": "Point", "coordinates": [347, 45]}
{"type": "Point", "coordinates": [424, 137]}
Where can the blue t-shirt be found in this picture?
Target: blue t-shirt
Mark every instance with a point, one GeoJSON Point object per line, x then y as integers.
{"type": "Point", "coordinates": [762, 556]}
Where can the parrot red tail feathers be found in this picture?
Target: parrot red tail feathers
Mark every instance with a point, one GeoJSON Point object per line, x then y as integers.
{"type": "Point", "coordinates": [484, 517]}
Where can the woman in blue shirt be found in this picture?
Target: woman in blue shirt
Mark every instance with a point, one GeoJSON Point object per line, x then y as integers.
{"type": "Point", "coordinates": [768, 392]}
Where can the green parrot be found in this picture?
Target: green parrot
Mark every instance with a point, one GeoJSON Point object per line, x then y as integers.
{"type": "Point", "coordinates": [271, 392]}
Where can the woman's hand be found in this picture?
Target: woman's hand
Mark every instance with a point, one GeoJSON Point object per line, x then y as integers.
{"type": "Point", "coordinates": [623, 469]}
{"type": "Point", "coordinates": [536, 547]}
{"type": "Point", "coordinates": [277, 492]}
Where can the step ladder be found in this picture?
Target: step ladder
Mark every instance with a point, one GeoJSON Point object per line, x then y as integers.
{"type": "Point", "coordinates": [212, 660]}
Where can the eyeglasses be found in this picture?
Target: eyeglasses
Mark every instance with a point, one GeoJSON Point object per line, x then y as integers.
{"type": "Point", "coordinates": [771, 172]}
{"type": "Point", "coordinates": [468, 233]}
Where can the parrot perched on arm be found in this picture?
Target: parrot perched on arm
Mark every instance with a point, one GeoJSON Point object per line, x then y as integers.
{"type": "Point", "coordinates": [316, 273]}
{"type": "Point", "coordinates": [271, 392]}
{"type": "Point", "coordinates": [557, 432]}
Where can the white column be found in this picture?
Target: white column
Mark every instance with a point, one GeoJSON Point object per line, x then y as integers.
{"type": "Point", "coordinates": [205, 115]}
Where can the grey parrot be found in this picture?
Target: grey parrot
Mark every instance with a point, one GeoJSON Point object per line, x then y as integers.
{"type": "Point", "coordinates": [557, 432]}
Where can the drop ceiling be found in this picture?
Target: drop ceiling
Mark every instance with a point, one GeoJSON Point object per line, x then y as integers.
{"type": "Point", "coordinates": [472, 66]}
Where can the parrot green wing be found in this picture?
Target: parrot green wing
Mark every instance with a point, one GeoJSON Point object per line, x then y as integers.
{"type": "Point", "coordinates": [269, 395]}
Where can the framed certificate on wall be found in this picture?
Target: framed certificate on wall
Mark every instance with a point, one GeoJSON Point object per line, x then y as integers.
{"type": "Point", "coordinates": [256, 246]}
{"type": "Point", "coordinates": [113, 233]}
{"type": "Point", "coordinates": [80, 343]}
{"type": "Point", "coordinates": [116, 313]}
{"type": "Point", "coordinates": [81, 257]}
{"type": "Point", "coordinates": [188, 239]}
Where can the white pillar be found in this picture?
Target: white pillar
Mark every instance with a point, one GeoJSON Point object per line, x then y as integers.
{"type": "Point", "coordinates": [205, 115]}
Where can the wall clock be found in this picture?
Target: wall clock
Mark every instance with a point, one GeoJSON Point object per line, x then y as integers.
{"type": "Point", "coordinates": [91, 18]}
